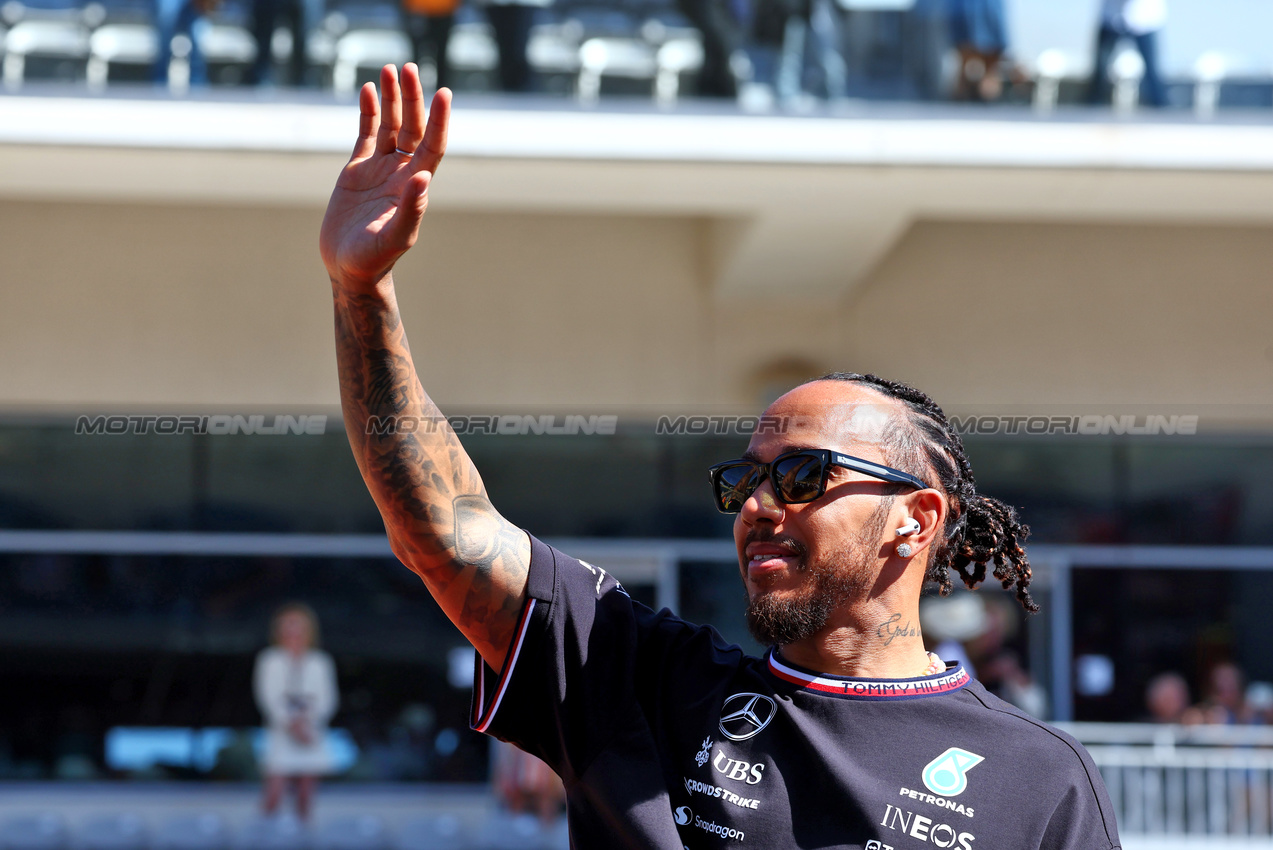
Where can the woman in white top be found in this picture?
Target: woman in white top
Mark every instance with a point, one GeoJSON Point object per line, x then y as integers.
{"type": "Point", "coordinates": [295, 687]}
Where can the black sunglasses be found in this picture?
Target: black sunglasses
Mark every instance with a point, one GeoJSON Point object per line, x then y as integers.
{"type": "Point", "coordinates": [799, 476]}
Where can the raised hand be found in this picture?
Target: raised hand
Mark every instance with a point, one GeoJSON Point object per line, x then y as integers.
{"type": "Point", "coordinates": [374, 213]}
{"type": "Point", "coordinates": [438, 517]}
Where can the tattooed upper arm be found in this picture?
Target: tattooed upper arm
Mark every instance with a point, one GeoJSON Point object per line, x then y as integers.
{"type": "Point", "coordinates": [437, 515]}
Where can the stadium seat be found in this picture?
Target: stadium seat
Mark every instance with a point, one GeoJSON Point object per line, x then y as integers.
{"type": "Point", "coordinates": [554, 48]}
{"type": "Point", "coordinates": [112, 832]}
{"type": "Point", "coordinates": [674, 58]}
{"type": "Point", "coordinates": [627, 58]}
{"type": "Point", "coordinates": [45, 831]}
{"type": "Point", "coordinates": [228, 44]}
{"type": "Point", "coordinates": [1127, 70]}
{"type": "Point", "coordinates": [367, 49]}
{"type": "Point", "coordinates": [657, 32]}
{"type": "Point", "coordinates": [1209, 72]}
{"type": "Point", "coordinates": [472, 49]}
{"type": "Point", "coordinates": [431, 832]}
{"type": "Point", "coordinates": [127, 44]}
{"type": "Point", "coordinates": [1049, 69]}
{"type": "Point", "coordinates": [194, 831]}
{"type": "Point", "coordinates": [320, 47]}
{"type": "Point", "coordinates": [222, 43]}
{"type": "Point", "coordinates": [49, 39]}
{"type": "Point", "coordinates": [274, 833]}
{"type": "Point", "coordinates": [353, 832]}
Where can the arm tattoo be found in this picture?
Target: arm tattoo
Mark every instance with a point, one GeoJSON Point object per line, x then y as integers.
{"type": "Point", "coordinates": [437, 514]}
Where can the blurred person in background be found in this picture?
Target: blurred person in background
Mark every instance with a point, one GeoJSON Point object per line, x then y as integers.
{"type": "Point", "coordinates": [1004, 677]}
{"type": "Point", "coordinates": [721, 38]}
{"type": "Point", "coordinates": [951, 621]}
{"type": "Point", "coordinates": [979, 32]}
{"type": "Point", "coordinates": [1167, 699]}
{"type": "Point", "coordinates": [295, 687]}
{"type": "Point", "coordinates": [512, 20]}
{"type": "Point", "coordinates": [302, 18]}
{"type": "Point", "coordinates": [817, 21]}
{"type": "Point", "coordinates": [182, 17]}
{"type": "Point", "coordinates": [428, 24]}
{"type": "Point", "coordinates": [1223, 700]}
{"type": "Point", "coordinates": [1139, 21]}
{"type": "Point", "coordinates": [977, 629]}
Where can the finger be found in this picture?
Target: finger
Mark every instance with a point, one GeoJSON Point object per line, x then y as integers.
{"type": "Point", "coordinates": [390, 110]}
{"type": "Point", "coordinates": [430, 154]}
{"type": "Point", "coordinates": [368, 122]}
{"type": "Point", "coordinates": [412, 109]}
{"type": "Point", "coordinates": [401, 231]}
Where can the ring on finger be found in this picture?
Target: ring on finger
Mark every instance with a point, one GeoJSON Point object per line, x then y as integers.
{"type": "Point", "coordinates": [405, 153]}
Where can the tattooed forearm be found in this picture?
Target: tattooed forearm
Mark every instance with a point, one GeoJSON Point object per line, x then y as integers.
{"type": "Point", "coordinates": [437, 515]}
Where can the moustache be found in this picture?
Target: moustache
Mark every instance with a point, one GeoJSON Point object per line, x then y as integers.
{"type": "Point", "coordinates": [792, 545]}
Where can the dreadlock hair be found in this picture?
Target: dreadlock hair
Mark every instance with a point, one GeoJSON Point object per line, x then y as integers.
{"type": "Point", "coordinates": [978, 529]}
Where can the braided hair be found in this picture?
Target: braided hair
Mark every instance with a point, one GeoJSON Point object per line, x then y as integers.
{"type": "Point", "coordinates": [978, 529]}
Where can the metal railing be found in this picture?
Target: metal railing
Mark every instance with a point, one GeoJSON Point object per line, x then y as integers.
{"type": "Point", "coordinates": [1212, 781]}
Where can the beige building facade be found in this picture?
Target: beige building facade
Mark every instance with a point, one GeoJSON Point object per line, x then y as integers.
{"type": "Point", "coordinates": [163, 256]}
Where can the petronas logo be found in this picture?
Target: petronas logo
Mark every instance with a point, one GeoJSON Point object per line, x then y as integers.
{"type": "Point", "coordinates": [948, 773]}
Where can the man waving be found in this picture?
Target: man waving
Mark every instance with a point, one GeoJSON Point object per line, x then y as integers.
{"type": "Point", "coordinates": [846, 733]}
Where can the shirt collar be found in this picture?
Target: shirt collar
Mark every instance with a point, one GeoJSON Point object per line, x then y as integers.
{"type": "Point", "coordinates": [954, 678]}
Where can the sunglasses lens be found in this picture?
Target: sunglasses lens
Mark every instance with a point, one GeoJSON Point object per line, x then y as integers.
{"type": "Point", "coordinates": [798, 478]}
{"type": "Point", "coordinates": [734, 484]}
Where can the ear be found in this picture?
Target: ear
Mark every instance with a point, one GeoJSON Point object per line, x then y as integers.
{"type": "Point", "coordinates": [928, 508]}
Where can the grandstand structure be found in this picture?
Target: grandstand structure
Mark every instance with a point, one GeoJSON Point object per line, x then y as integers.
{"type": "Point", "coordinates": [1085, 290]}
{"type": "Point", "coordinates": [1213, 53]}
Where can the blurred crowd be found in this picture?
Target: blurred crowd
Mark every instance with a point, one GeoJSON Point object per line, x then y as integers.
{"type": "Point", "coordinates": [1227, 699]}
{"type": "Point", "coordinates": [796, 50]}
{"type": "Point", "coordinates": [980, 632]}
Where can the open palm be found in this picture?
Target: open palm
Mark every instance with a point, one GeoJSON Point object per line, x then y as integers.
{"type": "Point", "coordinates": [374, 213]}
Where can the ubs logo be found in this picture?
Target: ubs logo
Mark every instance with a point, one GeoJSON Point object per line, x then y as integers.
{"type": "Point", "coordinates": [744, 715]}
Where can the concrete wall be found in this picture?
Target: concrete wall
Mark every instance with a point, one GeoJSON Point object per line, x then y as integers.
{"type": "Point", "coordinates": [127, 305]}
{"type": "Point", "coordinates": [163, 255]}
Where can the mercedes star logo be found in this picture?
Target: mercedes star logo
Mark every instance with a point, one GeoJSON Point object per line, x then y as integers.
{"type": "Point", "coordinates": [744, 715]}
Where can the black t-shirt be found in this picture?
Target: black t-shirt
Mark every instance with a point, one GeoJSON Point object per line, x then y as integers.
{"type": "Point", "coordinates": [668, 737]}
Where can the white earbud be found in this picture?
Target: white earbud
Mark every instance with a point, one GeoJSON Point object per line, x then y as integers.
{"type": "Point", "coordinates": [909, 527]}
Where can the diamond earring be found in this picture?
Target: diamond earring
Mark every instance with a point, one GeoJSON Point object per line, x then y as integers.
{"type": "Point", "coordinates": [904, 550]}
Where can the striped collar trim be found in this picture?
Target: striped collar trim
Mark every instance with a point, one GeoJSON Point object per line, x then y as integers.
{"type": "Point", "coordinates": [953, 679]}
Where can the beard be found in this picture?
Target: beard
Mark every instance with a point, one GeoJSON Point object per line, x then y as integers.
{"type": "Point", "coordinates": [778, 619]}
